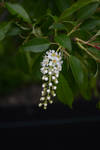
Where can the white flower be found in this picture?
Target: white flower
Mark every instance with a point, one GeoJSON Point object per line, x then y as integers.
{"type": "Point", "coordinates": [43, 78]}
{"type": "Point", "coordinates": [57, 75]}
{"type": "Point", "coordinates": [51, 66]}
{"type": "Point", "coordinates": [42, 98]}
{"type": "Point", "coordinates": [54, 87]}
{"type": "Point", "coordinates": [48, 90]}
{"type": "Point", "coordinates": [48, 97]}
{"type": "Point", "coordinates": [54, 94]}
{"type": "Point", "coordinates": [46, 79]}
{"type": "Point", "coordinates": [50, 63]}
{"type": "Point", "coordinates": [50, 101]}
{"type": "Point", "coordinates": [50, 84]}
{"type": "Point", "coordinates": [50, 72]}
{"type": "Point", "coordinates": [40, 104]}
{"type": "Point", "coordinates": [45, 104]}
{"type": "Point", "coordinates": [56, 81]}
{"type": "Point", "coordinates": [43, 85]}
{"type": "Point", "coordinates": [53, 77]}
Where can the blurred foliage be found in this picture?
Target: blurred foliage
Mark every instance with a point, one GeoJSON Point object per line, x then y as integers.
{"type": "Point", "coordinates": [28, 28]}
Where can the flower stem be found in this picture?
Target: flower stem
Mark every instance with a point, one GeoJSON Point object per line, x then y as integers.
{"type": "Point", "coordinates": [59, 48]}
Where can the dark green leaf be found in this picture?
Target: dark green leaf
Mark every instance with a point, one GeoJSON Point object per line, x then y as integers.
{"type": "Point", "coordinates": [85, 89]}
{"type": "Point", "coordinates": [69, 77]}
{"type": "Point", "coordinates": [64, 92]}
{"type": "Point", "coordinates": [16, 9]}
{"type": "Point", "coordinates": [62, 5]}
{"type": "Point", "coordinates": [2, 35]}
{"type": "Point", "coordinates": [87, 11]}
{"type": "Point", "coordinates": [90, 24]}
{"type": "Point", "coordinates": [14, 31]}
{"type": "Point", "coordinates": [4, 27]}
{"type": "Point", "coordinates": [95, 51]}
{"type": "Point", "coordinates": [77, 70]}
{"type": "Point", "coordinates": [64, 41]}
{"type": "Point", "coordinates": [58, 26]}
{"type": "Point", "coordinates": [36, 45]}
{"type": "Point", "coordinates": [92, 67]}
{"type": "Point", "coordinates": [76, 6]}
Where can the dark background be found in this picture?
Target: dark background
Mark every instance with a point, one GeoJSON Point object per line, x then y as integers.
{"type": "Point", "coordinates": [19, 93]}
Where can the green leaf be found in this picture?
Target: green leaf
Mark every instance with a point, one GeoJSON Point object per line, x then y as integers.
{"type": "Point", "coordinates": [77, 70]}
{"type": "Point", "coordinates": [90, 24]}
{"type": "Point", "coordinates": [92, 67]}
{"type": "Point", "coordinates": [2, 35]}
{"type": "Point", "coordinates": [36, 45]}
{"type": "Point", "coordinates": [76, 6]}
{"type": "Point", "coordinates": [87, 11]}
{"type": "Point", "coordinates": [62, 5]}
{"type": "Point", "coordinates": [64, 92]}
{"type": "Point", "coordinates": [58, 26]}
{"type": "Point", "coordinates": [4, 27]}
{"type": "Point", "coordinates": [14, 31]}
{"type": "Point", "coordinates": [16, 9]}
{"type": "Point", "coordinates": [64, 41]}
{"type": "Point", "coordinates": [85, 89]}
{"type": "Point", "coordinates": [94, 51]}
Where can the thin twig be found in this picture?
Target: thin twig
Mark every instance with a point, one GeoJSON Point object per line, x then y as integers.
{"type": "Point", "coordinates": [86, 43]}
{"type": "Point", "coordinates": [85, 49]}
{"type": "Point", "coordinates": [66, 52]}
{"type": "Point", "coordinates": [27, 38]}
{"type": "Point", "coordinates": [74, 29]}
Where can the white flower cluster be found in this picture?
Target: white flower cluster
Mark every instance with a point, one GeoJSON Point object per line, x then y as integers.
{"type": "Point", "coordinates": [51, 66]}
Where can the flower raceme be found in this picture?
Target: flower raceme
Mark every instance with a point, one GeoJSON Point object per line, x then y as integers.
{"type": "Point", "coordinates": [51, 66]}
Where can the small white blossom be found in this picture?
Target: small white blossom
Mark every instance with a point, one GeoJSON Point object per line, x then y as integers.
{"type": "Point", "coordinates": [54, 94]}
{"type": "Point", "coordinates": [45, 104]}
{"type": "Point", "coordinates": [50, 84]}
{"type": "Point", "coordinates": [50, 101]}
{"type": "Point", "coordinates": [43, 85]}
{"type": "Point", "coordinates": [43, 93]}
{"type": "Point", "coordinates": [46, 78]}
{"type": "Point", "coordinates": [40, 104]}
{"type": "Point", "coordinates": [56, 81]}
{"type": "Point", "coordinates": [45, 107]}
{"type": "Point", "coordinates": [42, 98]}
{"type": "Point", "coordinates": [53, 77]}
{"type": "Point", "coordinates": [50, 73]}
{"type": "Point", "coordinates": [57, 75]}
{"type": "Point", "coordinates": [48, 91]}
{"type": "Point", "coordinates": [48, 97]}
{"type": "Point", "coordinates": [43, 77]}
{"type": "Point", "coordinates": [54, 87]}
